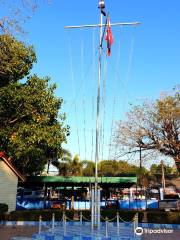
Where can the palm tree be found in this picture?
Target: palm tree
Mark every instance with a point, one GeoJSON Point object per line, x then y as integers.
{"type": "Point", "coordinates": [88, 168]}
{"type": "Point", "coordinates": [67, 165]}
{"type": "Point", "coordinates": [63, 163]}
{"type": "Point", "coordinates": [76, 166]}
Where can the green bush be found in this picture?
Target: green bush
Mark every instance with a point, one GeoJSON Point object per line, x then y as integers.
{"type": "Point", "coordinates": [163, 217]}
{"type": "Point", "coordinates": [3, 208]}
{"type": "Point", "coordinates": [128, 215]}
{"type": "Point", "coordinates": [155, 216]}
{"type": "Point", "coordinates": [33, 215]}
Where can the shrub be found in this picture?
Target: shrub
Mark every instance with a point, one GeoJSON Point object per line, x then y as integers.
{"type": "Point", "coordinates": [3, 208]}
{"type": "Point", "coordinates": [33, 215]}
{"type": "Point", "coordinates": [125, 215]}
{"type": "Point", "coordinates": [163, 217]}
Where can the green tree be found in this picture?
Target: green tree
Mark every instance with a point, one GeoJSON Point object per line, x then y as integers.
{"type": "Point", "coordinates": [16, 60]}
{"type": "Point", "coordinates": [153, 127]}
{"type": "Point", "coordinates": [112, 168]}
{"type": "Point", "coordinates": [88, 168]}
{"type": "Point", "coordinates": [31, 128]}
{"type": "Point", "coordinates": [156, 169]}
{"type": "Point", "coordinates": [55, 160]}
{"type": "Point", "coordinates": [69, 166]}
{"type": "Point", "coordinates": [76, 166]}
{"type": "Point", "coordinates": [108, 168]}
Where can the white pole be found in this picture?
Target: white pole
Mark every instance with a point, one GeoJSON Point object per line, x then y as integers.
{"type": "Point", "coordinates": [64, 224]}
{"type": "Point", "coordinates": [118, 223]}
{"type": "Point", "coordinates": [106, 227]}
{"type": "Point", "coordinates": [97, 123]}
{"type": "Point", "coordinates": [40, 223]}
{"type": "Point", "coordinates": [99, 207]}
{"type": "Point", "coordinates": [92, 207]}
{"type": "Point", "coordinates": [81, 218]}
{"type": "Point", "coordinates": [53, 218]}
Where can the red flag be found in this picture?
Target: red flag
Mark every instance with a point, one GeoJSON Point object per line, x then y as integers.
{"type": "Point", "coordinates": [109, 37]}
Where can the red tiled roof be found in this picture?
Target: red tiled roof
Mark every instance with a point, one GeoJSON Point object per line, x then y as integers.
{"type": "Point", "coordinates": [10, 165]}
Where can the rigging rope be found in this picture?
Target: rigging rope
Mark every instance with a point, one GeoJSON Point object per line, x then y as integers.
{"type": "Point", "coordinates": [84, 113]}
{"type": "Point", "coordinates": [81, 85]}
{"type": "Point", "coordinates": [117, 101]}
{"type": "Point", "coordinates": [130, 60]}
{"type": "Point", "coordinates": [76, 94]}
{"type": "Point", "coordinates": [71, 63]}
{"type": "Point", "coordinates": [131, 51]}
{"type": "Point", "coordinates": [92, 140]}
{"type": "Point", "coordinates": [104, 107]}
{"type": "Point", "coordinates": [93, 103]}
{"type": "Point", "coordinates": [83, 98]}
{"type": "Point", "coordinates": [77, 130]}
{"type": "Point", "coordinates": [72, 81]}
{"type": "Point", "coordinates": [112, 124]}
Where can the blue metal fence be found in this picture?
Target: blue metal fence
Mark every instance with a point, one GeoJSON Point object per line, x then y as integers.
{"type": "Point", "coordinates": [81, 205]}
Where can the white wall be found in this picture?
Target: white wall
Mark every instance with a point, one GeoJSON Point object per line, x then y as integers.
{"type": "Point", "coordinates": [8, 186]}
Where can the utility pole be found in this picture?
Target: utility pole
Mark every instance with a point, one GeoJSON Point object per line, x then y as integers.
{"type": "Point", "coordinates": [96, 211]}
{"type": "Point", "coordinates": [163, 176]}
{"type": "Point", "coordinates": [140, 158]}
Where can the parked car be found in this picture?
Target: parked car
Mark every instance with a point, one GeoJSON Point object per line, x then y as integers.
{"type": "Point", "coordinates": [170, 203]}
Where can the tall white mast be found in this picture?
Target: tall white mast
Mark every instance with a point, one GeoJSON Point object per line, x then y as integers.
{"type": "Point", "coordinates": [96, 205]}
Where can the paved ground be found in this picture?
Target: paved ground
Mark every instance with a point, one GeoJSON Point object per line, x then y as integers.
{"type": "Point", "coordinates": [6, 233]}
{"type": "Point", "coordinates": [162, 236]}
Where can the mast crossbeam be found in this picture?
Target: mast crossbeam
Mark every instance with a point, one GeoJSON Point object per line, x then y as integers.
{"type": "Point", "coordinates": [99, 25]}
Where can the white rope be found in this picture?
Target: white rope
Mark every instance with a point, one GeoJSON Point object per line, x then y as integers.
{"type": "Point", "coordinates": [129, 67]}
{"type": "Point", "coordinates": [131, 51]}
{"type": "Point", "coordinates": [92, 140]}
{"type": "Point", "coordinates": [71, 220]}
{"type": "Point", "coordinates": [71, 65]}
{"type": "Point", "coordinates": [112, 124]}
{"type": "Point", "coordinates": [81, 85]}
{"type": "Point", "coordinates": [127, 221]}
{"type": "Point", "coordinates": [115, 100]}
{"type": "Point", "coordinates": [93, 103]}
{"type": "Point", "coordinates": [84, 120]}
{"type": "Point", "coordinates": [73, 91]}
{"type": "Point", "coordinates": [104, 107]}
{"type": "Point", "coordinates": [109, 220]}
{"type": "Point", "coordinates": [78, 139]}
{"type": "Point", "coordinates": [88, 220]}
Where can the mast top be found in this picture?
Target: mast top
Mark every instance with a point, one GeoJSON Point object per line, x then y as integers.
{"type": "Point", "coordinates": [101, 4]}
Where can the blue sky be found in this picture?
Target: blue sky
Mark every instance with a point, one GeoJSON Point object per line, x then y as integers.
{"type": "Point", "coordinates": [145, 61]}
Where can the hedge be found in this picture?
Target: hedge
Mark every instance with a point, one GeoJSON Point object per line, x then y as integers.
{"type": "Point", "coordinates": [33, 215]}
{"type": "Point", "coordinates": [160, 217]}
{"type": "Point", "coordinates": [163, 217]}
{"type": "Point", "coordinates": [3, 208]}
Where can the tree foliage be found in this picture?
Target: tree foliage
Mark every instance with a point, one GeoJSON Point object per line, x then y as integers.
{"type": "Point", "coordinates": [156, 169]}
{"type": "Point", "coordinates": [16, 60]}
{"type": "Point", "coordinates": [16, 13]}
{"type": "Point", "coordinates": [68, 165]}
{"type": "Point", "coordinates": [114, 168]}
{"type": "Point", "coordinates": [153, 126]}
{"type": "Point", "coordinates": [88, 168]}
{"type": "Point", "coordinates": [31, 128]}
